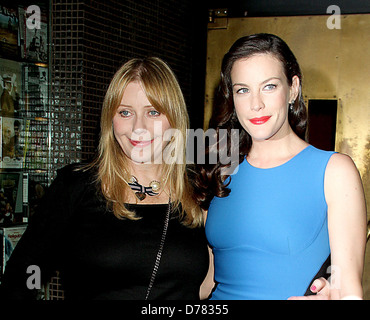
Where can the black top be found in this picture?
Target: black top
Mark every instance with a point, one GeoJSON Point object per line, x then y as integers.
{"type": "Point", "coordinates": [100, 256]}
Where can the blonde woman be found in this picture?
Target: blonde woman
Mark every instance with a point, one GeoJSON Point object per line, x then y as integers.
{"type": "Point", "coordinates": [125, 226]}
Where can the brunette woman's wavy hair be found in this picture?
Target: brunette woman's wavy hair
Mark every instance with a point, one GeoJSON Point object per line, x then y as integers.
{"type": "Point", "coordinates": [210, 182]}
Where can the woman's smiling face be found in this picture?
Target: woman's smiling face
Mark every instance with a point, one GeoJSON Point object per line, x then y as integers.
{"type": "Point", "coordinates": [261, 96]}
{"type": "Point", "coordinates": [138, 127]}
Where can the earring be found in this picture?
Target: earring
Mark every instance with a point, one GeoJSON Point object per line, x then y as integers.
{"type": "Point", "coordinates": [291, 104]}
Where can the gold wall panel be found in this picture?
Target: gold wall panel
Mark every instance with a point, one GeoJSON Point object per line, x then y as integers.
{"type": "Point", "coordinates": [335, 65]}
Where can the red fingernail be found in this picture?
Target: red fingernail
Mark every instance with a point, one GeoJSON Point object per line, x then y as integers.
{"type": "Point", "coordinates": [313, 288]}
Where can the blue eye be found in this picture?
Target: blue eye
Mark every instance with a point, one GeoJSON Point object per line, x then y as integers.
{"type": "Point", "coordinates": [270, 86]}
{"type": "Point", "coordinates": [154, 113]}
{"type": "Point", "coordinates": [242, 90]}
{"type": "Point", "coordinates": [125, 113]}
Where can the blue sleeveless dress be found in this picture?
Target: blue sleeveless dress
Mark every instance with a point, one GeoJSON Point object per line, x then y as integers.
{"type": "Point", "coordinates": [270, 235]}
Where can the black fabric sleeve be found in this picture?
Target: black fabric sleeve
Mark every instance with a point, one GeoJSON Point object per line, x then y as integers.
{"type": "Point", "coordinates": [41, 244]}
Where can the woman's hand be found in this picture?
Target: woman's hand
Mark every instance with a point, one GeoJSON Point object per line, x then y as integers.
{"type": "Point", "coordinates": [323, 291]}
{"type": "Point", "coordinates": [321, 287]}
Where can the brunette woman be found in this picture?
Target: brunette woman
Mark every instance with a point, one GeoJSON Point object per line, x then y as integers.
{"type": "Point", "coordinates": [290, 210]}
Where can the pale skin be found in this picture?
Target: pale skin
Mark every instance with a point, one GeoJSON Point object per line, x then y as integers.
{"type": "Point", "coordinates": [260, 89]}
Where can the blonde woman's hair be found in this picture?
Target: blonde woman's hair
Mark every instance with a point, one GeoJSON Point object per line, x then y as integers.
{"type": "Point", "coordinates": [163, 92]}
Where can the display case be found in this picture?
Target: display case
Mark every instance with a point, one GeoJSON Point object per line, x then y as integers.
{"type": "Point", "coordinates": [25, 137]}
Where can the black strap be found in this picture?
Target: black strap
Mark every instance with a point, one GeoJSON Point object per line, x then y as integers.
{"type": "Point", "coordinates": [160, 250]}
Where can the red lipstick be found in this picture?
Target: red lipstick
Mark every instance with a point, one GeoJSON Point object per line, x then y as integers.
{"type": "Point", "coordinates": [141, 143]}
{"type": "Point", "coordinates": [259, 121]}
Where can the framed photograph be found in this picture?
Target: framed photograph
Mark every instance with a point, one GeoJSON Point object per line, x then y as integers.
{"type": "Point", "coordinates": [9, 236]}
{"type": "Point", "coordinates": [33, 39]}
{"type": "Point", "coordinates": [12, 143]}
{"type": "Point", "coordinates": [11, 197]}
{"type": "Point", "coordinates": [9, 32]}
{"type": "Point", "coordinates": [11, 88]}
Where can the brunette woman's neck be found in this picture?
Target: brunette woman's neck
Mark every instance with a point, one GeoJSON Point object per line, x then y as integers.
{"type": "Point", "coordinates": [272, 153]}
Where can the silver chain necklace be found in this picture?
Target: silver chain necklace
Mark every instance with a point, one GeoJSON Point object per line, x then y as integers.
{"type": "Point", "coordinates": [160, 250]}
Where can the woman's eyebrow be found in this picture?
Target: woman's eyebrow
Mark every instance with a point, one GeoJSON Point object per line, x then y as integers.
{"type": "Point", "coordinates": [264, 81]}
